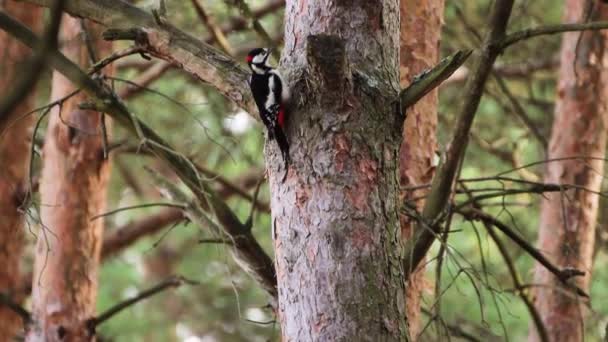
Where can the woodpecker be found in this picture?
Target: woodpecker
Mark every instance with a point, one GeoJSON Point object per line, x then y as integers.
{"type": "Point", "coordinates": [271, 95]}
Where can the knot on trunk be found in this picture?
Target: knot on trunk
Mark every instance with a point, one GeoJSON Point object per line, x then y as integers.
{"type": "Point", "coordinates": [329, 70]}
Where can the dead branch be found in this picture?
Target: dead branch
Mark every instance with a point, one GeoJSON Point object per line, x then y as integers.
{"type": "Point", "coordinates": [216, 33]}
{"type": "Point", "coordinates": [518, 284]}
{"type": "Point", "coordinates": [562, 274]}
{"type": "Point", "coordinates": [127, 234]}
{"type": "Point", "coordinates": [255, 23]}
{"type": "Point", "coordinates": [175, 281]}
{"type": "Point", "coordinates": [518, 36]}
{"type": "Point", "coordinates": [139, 206]}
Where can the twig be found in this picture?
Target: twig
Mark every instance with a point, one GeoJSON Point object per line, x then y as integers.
{"type": "Point", "coordinates": [218, 241]}
{"type": "Point", "coordinates": [139, 206]}
{"type": "Point", "coordinates": [214, 30]}
{"type": "Point", "coordinates": [455, 329]}
{"type": "Point", "coordinates": [430, 79]}
{"type": "Point", "coordinates": [144, 79]}
{"type": "Point", "coordinates": [562, 274]}
{"type": "Point", "coordinates": [521, 112]}
{"type": "Point", "coordinates": [538, 322]}
{"type": "Point", "coordinates": [519, 70]}
{"type": "Point", "coordinates": [246, 251]}
{"type": "Point", "coordinates": [175, 281]}
{"type": "Point", "coordinates": [127, 234]}
{"type": "Point", "coordinates": [95, 68]}
{"type": "Point", "coordinates": [257, 26]}
{"type": "Point", "coordinates": [518, 36]}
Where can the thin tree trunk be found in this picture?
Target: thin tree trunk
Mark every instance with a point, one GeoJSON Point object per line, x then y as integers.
{"type": "Point", "coordinates": [335, 216]}
{"type": "Point", "coordinates": [567, 227]}
{"type": "Point", "coordinates": [72, 189]}
{"type": "Point", "coordinates": [14, 164]}
{"type": "Point", "coordinates": [419, 50]}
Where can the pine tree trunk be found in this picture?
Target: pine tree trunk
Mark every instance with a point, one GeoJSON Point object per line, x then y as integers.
{"type": "Point", "coordinates": [567, 227]}
{"type": "Point", "coordinates": [15, 147]}
{"type": "Point", "coordinates": [419, 49]}
{"type": "Point", "coordinates": [72, 189]}
{"type": "Point", "coordinates": [335, 217]}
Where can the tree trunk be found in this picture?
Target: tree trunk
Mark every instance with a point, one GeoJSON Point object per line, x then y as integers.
{"type": "Point", "coordinates": [72, 190]}
{"type": "Point", "coordinates": [419, 50]}
{"type": "Point", "coordinates": [567, 227]}
{"type": "Point", "coordinates": [15, 147]}
{"type": "Point", "coordinates": [335, 216]}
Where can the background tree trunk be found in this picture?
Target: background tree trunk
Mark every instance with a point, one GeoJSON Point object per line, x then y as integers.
{"type": "Point", "coordinates": [14, 164]}
{"type": "Point", "coordinates": [72, 190]}
{"type": "Point", "coordinates": [335, 217]}
{"type": "Point", "coordinates": [579, 129]}
{"type": "Point", "coordinates": [419, 50]}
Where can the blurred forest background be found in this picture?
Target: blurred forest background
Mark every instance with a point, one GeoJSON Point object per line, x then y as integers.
{"type": "Point", "coordinates": [147, 245]}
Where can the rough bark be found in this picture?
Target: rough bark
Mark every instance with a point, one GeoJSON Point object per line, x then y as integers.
{"type": "Point", "coordinates": [567, 227]}
{"type": "Point", "coordinates": [335, 217]}
{"type": "Point", "coordinates": [419, 50]}
{"type": "Point", "coordinates": [72, 190]}
{"type": "Point", "coordinates": [14, 160]}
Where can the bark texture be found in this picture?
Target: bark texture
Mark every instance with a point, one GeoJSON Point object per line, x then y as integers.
{"type": "Point", "coordinates": [72, 189]}
{"type": "Point", "coordinates": [419, 50]}
{"type": "Point", "coordinates": [335, 217]}
{"type": "Point", "coordinates": [14, 164]}
{"type": "Point", "coordinates": [567, 228]}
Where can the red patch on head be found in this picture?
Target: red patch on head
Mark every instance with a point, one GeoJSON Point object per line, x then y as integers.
{"type": "Point", "coordinates": [249, 58]}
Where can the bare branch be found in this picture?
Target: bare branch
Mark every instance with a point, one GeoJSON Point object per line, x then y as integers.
{"type": "Point", "coordinates": [257, 26]}
{"type": "Point", "coordinates": [114, 57]}
{"type": "Point", "coordinates": [139, 206]}
{"type": "Point", "coordinates": [175, 281]}
{"type": "Point", "coordinates": [127, 234]}
{"type": "Point", "coordinates": [562, 274]}
{"type": "Point", "coordinates": [216, 33]}
{"type": "Point", "coordinates": [430, 79]}
{"type": "Point", "coordinates": [518, 36]}
{"type": "Point", "coordinates": [523, 294]}
{"type": "Point", "coordinates": [245, 249]}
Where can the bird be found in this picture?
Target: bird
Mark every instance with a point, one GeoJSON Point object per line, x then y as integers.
{"type": "Point", "coordinates": [271, 96]}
